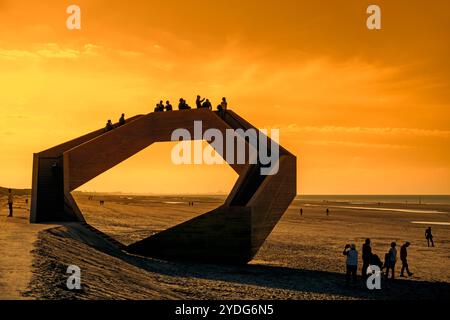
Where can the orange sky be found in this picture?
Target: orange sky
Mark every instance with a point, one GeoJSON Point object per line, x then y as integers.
{"type": "Point", "coordinates": [366, 112]}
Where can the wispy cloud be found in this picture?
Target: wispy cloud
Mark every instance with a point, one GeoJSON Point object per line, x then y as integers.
{"type": "Point", "coordinates": [49, 51]}
{"type": "Point", "coordinates": [384, 131]}
{"type": "Point", "coordinates": [327, 143]}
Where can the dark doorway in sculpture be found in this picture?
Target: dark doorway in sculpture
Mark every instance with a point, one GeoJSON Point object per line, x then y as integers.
{"type": "Point", "coordinates": [231, 233]}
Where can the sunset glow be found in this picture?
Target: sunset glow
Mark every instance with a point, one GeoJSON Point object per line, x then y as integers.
{"type": "Point", "coordinates": [365, 112]}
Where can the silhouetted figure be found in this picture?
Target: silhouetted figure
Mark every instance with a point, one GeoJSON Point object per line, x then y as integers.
{"type": "Point", "coordinates": [376, 261]}
{"type": "Point", "coordinates": [122, 120]}
{"type": "Point", "coordinates": [301, 211]}
{"type": "Point", "coordinates": [102, 202]}
{"type": "Point", "coordinates": [429, 236]}
{"type": "Point", "coordinates": [390, 259]}
{"type": "Point", "coordinates": [109, 126]}
{"type": "Point", "coordinates": [327, 211]}
{"type": "Point", "coordinates": [351, 263]}
{"type": "Point", "coordinates": [168, 106]}
{"type": "Point", "coordinates": [26, 201]}
{"type": "Point", "coordinates": [366, 257]}
{"type": "Point", "coordinates": [10, 202]}
{"type": "Point", "coordinates": [207, 104]}
{"type": "Point", "coordinates": [199, 101]}
{"type": "Point", "coordinates": [183, 105]}
{"type": "Point", "coordinates": [159, 107]}
{"type": "Point", "coordinates": [222, 107]}
{"type": "Point", "coordinates": [404, 259]}
{"type": "Point", "coordinates": [224, 104]}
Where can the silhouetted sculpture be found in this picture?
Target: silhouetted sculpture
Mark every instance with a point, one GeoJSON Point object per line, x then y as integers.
{"type": "Point", "coordinates": [232, 233]}
{"type": "Point", "coordinates": [122, 120]}
{"type": "Point", "coordinates": [168, 106]}
{"type": "Point", "coordinates": [207, 104]}
{"type": "Point", "coordinates": [351, 262]}
{"type": "Point", "coordinates": [429, 237]}
{"type": "Point", "coordinates": [390, 260]}
{"type": "Point", "coordinates": [109, 126]}
{"type": "Point", "coordinates": [199, 102]}
{"type": "Point", "coordinates": [10, 202]}
{"type": "Point", "coordinates": [366, 257]}
{"type": "Point", "coordinates": [404, 259]}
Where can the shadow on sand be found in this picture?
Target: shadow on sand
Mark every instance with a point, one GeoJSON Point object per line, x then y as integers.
{"type": "Point", "coordinates": [268, 276]}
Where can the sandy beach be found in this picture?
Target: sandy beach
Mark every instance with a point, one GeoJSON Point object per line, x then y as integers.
{"type": "Point", "coordinates": [301, 259]}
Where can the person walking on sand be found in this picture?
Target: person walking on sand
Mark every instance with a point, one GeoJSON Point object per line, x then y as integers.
{"type": "Point", "coordinates": [429, 237]}
{"type": "Point", "coordinates": [366, 257]}
{"type": "Point", "coordinates": [351, 263]}
{"type": "Point", "coordinates": [328, 212]}
{"type": "Point", "coordinates": [301, 211]}
{"type": "Point", "coordinates": [390, 260]}
{"type": "Point", "coordinates": [404, 259]}
{"type": "Point", "coordinates": [10, 203]}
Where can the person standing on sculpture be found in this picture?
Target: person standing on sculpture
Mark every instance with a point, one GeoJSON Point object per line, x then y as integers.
{"type": "Point", "coordinates": [10, 202]}
{"type": "Point", "coordinates": [168, 106]}
{"type": "Point", "coordinates": [199, 101]}
{"type": "Point", "coordinates": [122, 120]}
{"type": "Point", "coordinates": [207, 105]}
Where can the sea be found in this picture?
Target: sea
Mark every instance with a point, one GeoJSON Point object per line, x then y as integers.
{"type": "Point", "coordinates": [364, 199]}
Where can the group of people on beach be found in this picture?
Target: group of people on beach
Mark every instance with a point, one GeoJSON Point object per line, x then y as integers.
{"type": "Point", "coordinates": [182, 105]}
{"type": "Point", "coordinates": [199, 102]}
{"type": "Point", "coordinates": [371, 259]}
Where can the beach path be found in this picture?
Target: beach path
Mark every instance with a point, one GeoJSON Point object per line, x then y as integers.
{"type": "Point", "coordinates": [17, 236]}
